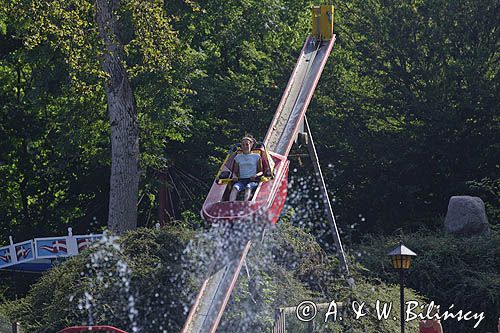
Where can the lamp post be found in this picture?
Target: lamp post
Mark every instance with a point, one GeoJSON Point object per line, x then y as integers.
{"type": "Point", "coordinates": [401, 257]}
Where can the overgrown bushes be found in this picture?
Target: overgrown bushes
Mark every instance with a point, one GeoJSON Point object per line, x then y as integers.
{"type": "Point", "coordinates": [449, 270]}
{"type": "Point", "coordinates": [129, 282]}
{"type": "Point", "coordinates": [146, 281]}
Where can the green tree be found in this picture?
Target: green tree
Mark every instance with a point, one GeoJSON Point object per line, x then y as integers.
{"type": "Point", "coordinates": [410, 98]}
{"type": "Point", "coordinates": [51, 68]}
{"type": "Point", "coordinates": [124, 183]}
{"type": "Point", "coordinates": [52, 140]}
{"type": "Point", "coordinates": [248, 51]}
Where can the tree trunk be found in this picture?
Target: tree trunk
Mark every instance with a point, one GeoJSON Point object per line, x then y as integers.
{"type": "Point", "coordinates": [124, 180]}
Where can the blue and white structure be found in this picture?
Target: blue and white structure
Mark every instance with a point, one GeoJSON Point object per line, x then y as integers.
{"type": "Point", "coordinates": [37, 255]}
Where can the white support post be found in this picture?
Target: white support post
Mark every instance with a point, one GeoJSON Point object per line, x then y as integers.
{"type": "Point", "coordinates": [13, 254]}
{"type": "Point", "coordinates": [71, 243]}
{"type": "Point", "coordinates": [328, 207]}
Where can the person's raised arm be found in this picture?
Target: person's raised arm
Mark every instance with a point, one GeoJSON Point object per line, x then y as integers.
{"type": "Point", "coordinates": [236, 171]}
{"type": "Point", "coordinates": [259, 170]}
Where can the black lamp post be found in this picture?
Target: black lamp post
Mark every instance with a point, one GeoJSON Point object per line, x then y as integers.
{"type": "Point", "coordinates": [401, 257]}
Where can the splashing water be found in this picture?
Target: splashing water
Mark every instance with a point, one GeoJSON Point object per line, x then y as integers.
{"type": "Point", "coordinates": [108, 279]}
{"type": "Point", "coordinates": [110, 293]}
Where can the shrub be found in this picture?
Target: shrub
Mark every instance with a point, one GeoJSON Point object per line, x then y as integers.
{"type": "Point", "coordinates": [145, 281]}
{"type": "Point", "coordinates": [449, 270]}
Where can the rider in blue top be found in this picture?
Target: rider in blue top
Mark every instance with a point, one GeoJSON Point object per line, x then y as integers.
{"type": "Point", "coordinates": [247, 169]}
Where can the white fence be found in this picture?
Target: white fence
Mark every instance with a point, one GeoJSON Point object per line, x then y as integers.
{"type": "Point", "coordinates": [44, 248]}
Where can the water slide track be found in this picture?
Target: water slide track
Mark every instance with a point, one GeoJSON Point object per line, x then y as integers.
{"type": "Point", "coordinates": [213, 296]}
{"type": "Point", "coordinates": [298, 93]}
{"type": "Point", "coordinates": [210, 303]}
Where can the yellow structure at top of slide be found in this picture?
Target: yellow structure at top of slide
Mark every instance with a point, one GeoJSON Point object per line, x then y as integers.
{"type": "Point", "coordinates": [322, 22]}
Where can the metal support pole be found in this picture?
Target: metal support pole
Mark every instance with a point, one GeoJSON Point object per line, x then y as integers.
{"type": "Point", "coordinates": [162, 198]}
{"type": "Point", "coordinates": [402, 296]}
{"type": "Point", "coordinates": [279, 321]}
{"type": "Point", "coordinates": [328, 207]}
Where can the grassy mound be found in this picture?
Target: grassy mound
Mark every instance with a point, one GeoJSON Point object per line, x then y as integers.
{"type": "Point", "coordinates": [145, 282]}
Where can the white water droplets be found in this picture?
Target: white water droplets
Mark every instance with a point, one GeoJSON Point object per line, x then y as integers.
{"type": "Point", "coordinates": [107, 280]}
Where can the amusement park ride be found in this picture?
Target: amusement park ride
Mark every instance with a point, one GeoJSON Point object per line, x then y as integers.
{"type": "Point", "coordinates": [289, 124]}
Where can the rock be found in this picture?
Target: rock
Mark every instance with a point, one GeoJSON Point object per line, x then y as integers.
{"type": "Point", "coordinates": [466, 216]}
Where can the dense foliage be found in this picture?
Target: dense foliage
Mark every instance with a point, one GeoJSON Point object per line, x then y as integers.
{"type": "Point", "coordinates": [139, 281]}
{"type": "Point", "coordinates": [410, 104]}
{"type": "Point", "coordinates": [405, 115]}
{"type": "Point", "coordinates": [55, 130]}
{"type": "Point", "coordinates": [449, 270]}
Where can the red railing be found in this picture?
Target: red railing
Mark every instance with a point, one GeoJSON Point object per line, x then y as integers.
{"type": "Point", "coordinates": [102, 329]}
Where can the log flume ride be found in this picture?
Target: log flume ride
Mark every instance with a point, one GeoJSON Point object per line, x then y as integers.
{"type": "Point", "coordinates": [267, 201]}
{"type": "Point", "coordinates": [265, 205]}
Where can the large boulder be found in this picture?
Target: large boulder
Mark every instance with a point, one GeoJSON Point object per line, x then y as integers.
{"type": "Point", "coordinates": [466, 216]}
